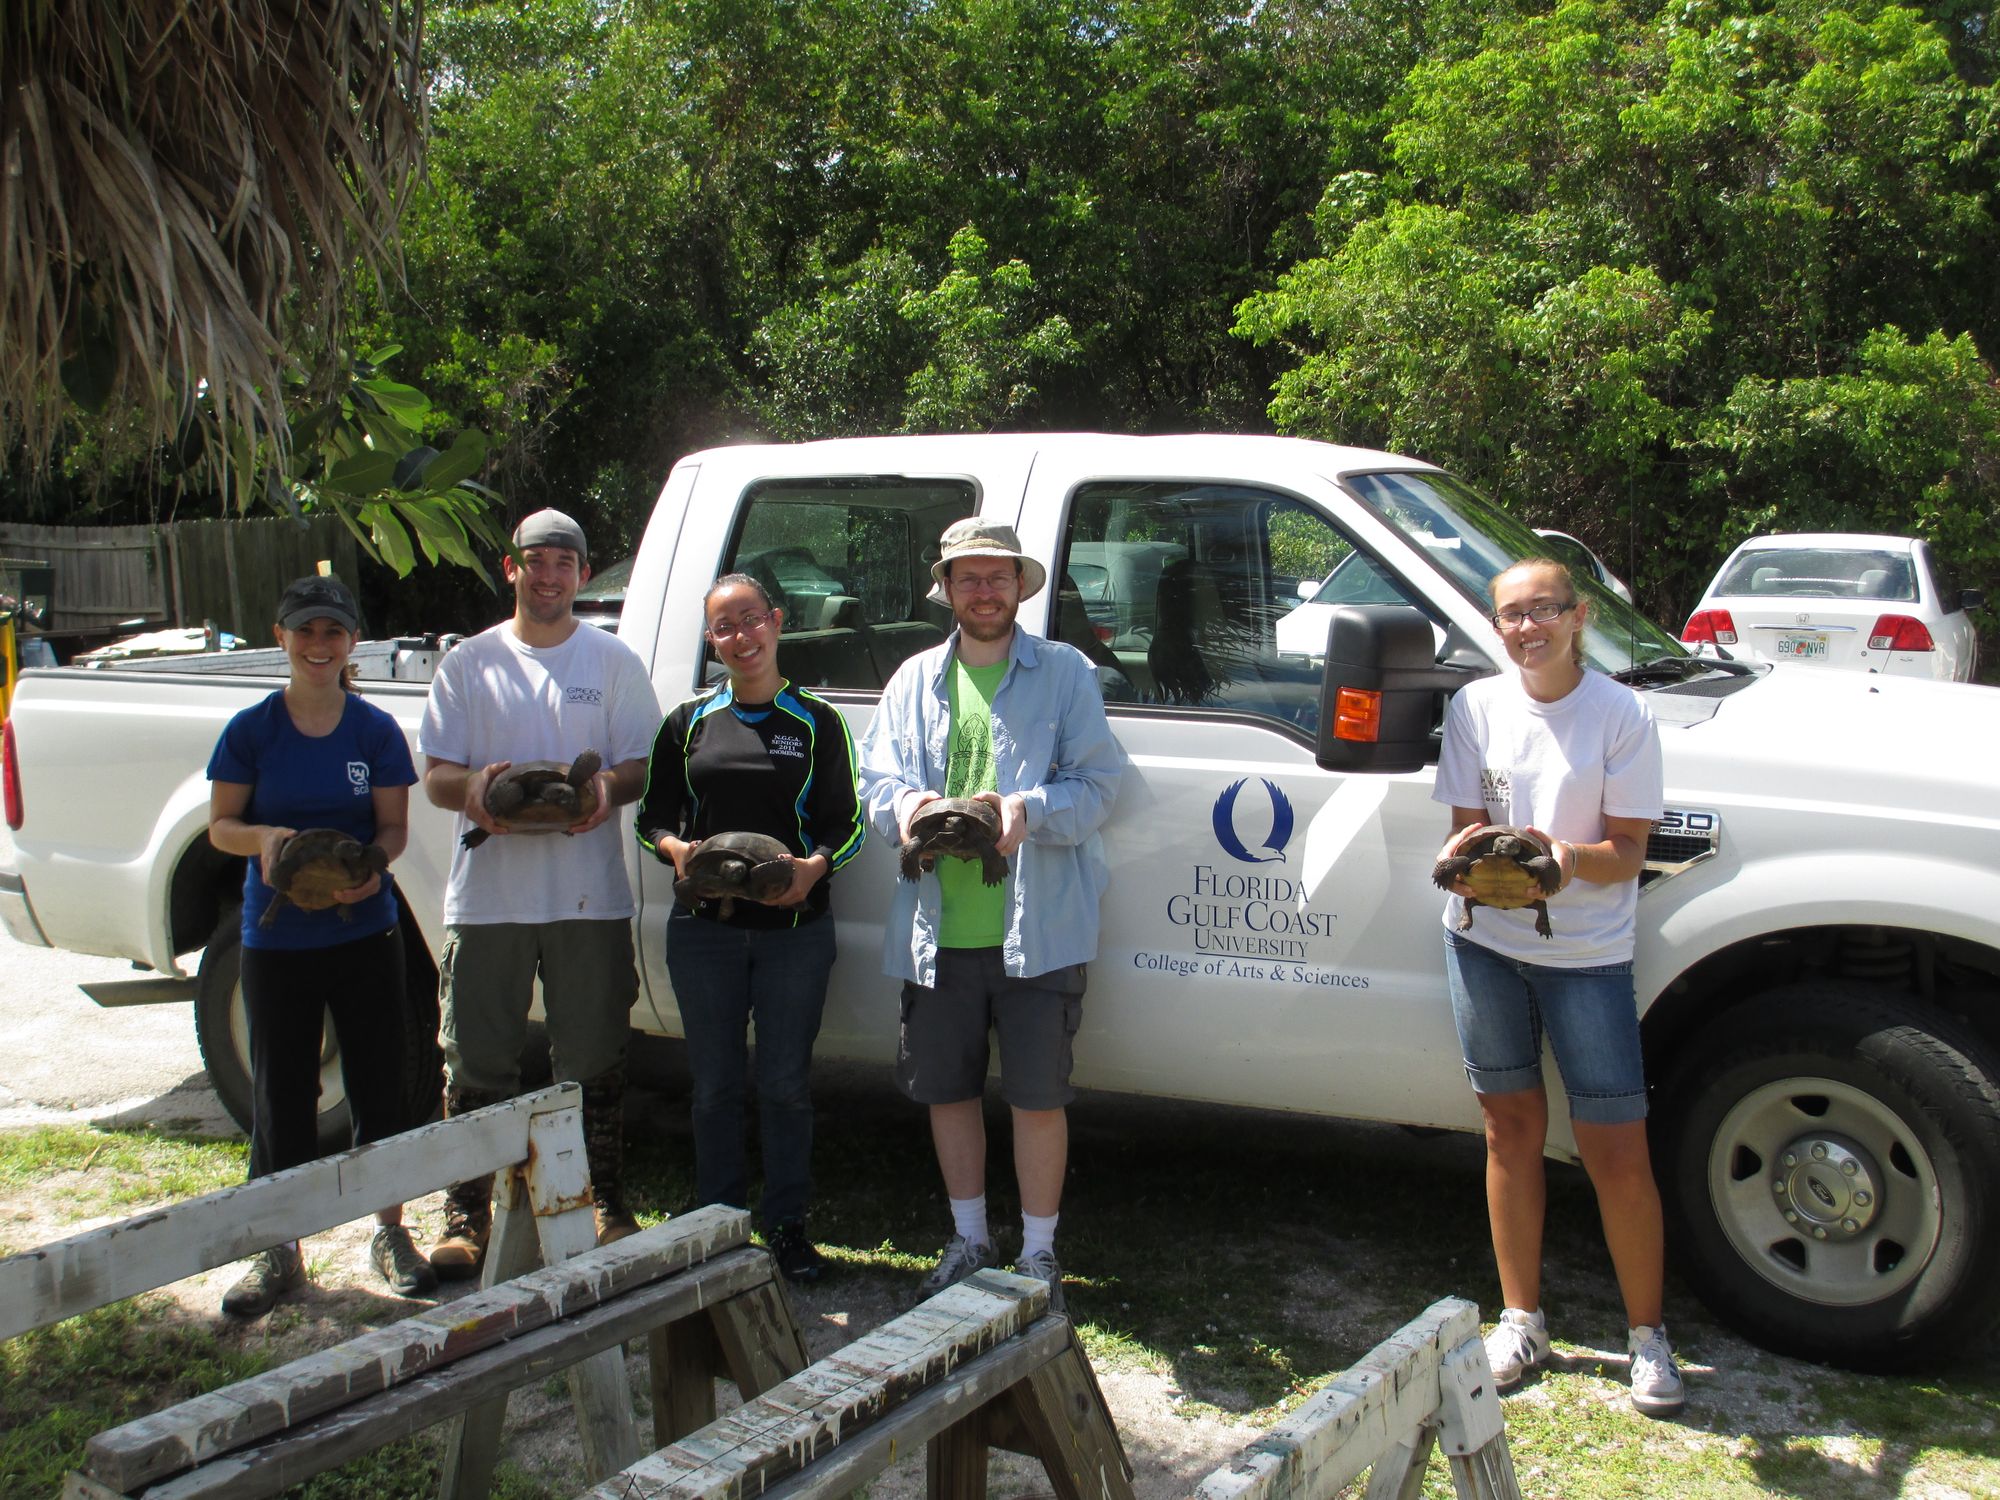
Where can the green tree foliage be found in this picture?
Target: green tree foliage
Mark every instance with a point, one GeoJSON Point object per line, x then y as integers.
{"type": "Point", "coordinates": [1646, 269]}
{"type": "Point", "coordinates": [983, 342]}
{"type": "Point", "coordinates": [1642, 274]}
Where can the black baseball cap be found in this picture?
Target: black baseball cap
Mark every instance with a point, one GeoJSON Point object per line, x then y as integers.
{"type": "Point", "coordinates": [551, 528]}
{"type": "Point", "coordinates": [319, 597]}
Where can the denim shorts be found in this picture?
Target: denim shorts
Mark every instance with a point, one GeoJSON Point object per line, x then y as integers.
{"type": "Point", "coordinates": [1503, 1004]}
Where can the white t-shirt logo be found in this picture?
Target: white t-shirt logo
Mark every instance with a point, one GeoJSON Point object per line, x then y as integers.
{"type": "Point", "coordinates": [357, 777]}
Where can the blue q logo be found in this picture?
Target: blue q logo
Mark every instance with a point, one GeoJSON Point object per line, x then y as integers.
{"type": "Point", "coordinates": [1273, 844]}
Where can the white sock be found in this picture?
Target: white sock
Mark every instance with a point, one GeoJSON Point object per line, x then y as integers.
{"type": "Point", "coordinates": [968, 1217]}
{"type": "Point", "coordinates": [1037, 1234]}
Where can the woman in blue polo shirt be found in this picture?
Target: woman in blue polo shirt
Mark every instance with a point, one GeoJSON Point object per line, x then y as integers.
{"type": "Point", "coordinates": [315, 755]}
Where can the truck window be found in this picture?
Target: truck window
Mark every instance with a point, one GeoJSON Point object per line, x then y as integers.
{"type": "Point", "coordinates": [848, 562]}
{"type": "Point", "coordinates": [1208, 596]}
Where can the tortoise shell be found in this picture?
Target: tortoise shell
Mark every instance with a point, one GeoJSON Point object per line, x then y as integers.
{"type": "Point", "coordinates": [958, 827]}
{"type": "Point", "coordinates": [1507, 868]}
{"type": "Point", "coordinates": [315, 863]}
{"type": "Point", "coordinates": [541, 796]}
{"type": "Point", "coordinates": [725, 866]}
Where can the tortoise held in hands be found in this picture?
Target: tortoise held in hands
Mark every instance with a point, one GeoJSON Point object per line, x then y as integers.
{"type": "Point", "coordinates": [541, 796]}
{"type": "Point", "coordinates": [960, 827]}
{"type": "Point", "coordinates": [1507, 868]}
{"type": "Point", "coordinates": [725, 866]}
{"type": "Point", "coordinates": [316, 862]}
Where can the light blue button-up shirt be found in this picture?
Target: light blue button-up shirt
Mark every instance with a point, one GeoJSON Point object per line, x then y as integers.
{"type": "Point", "coordinates": [1053, 746]}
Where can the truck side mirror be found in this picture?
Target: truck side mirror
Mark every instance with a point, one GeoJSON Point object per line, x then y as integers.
{"type": "Point", "coordinates": [1379, 697]}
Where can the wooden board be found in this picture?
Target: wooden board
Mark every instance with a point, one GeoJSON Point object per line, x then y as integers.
{"type": "Point", "coordinates": [73, 1276]}
{"type": "Point", "coordinates": [290, 1458]}
{"type": "Point", "coordinates": [796, 1421]}
{"type": "Point", "coordinates": [979, 1382]}
{"type": "Point", "coordinates": [201, 1428]}
{"type": "Point", "coordinates": [1364, 1414]}
{"type": "Point", "coordinates": [1069, 1429]}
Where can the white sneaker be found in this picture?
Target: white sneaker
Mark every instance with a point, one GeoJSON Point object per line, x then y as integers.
{"type": "Point", "coordinates": [1518, 1343]}
{"type": "Point", "coordinates": [1657, 1389]}
{"type": "Point", "coordinates": [961, 1257]}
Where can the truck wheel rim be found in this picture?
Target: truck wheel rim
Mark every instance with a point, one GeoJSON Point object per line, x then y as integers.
{"type": "Point", "coordinates": [1825, 1191]}
{"type": "Point", "coordinates": [332, 1086]}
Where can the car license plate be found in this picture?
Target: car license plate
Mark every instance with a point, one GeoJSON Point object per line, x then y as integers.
{"type": "Point", "coordinates": [1805, 645]}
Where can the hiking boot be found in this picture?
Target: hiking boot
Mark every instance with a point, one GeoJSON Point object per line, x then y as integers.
{"type": "Point", "coordinates": [468, 1223]}
{"type": "Point", "coordinates": [614, 1224]}
{"type": "Point", "coordinates": [1043, 1267]}
{"type": "Point", "coordinates": [959, 1260]}
{"type": "Point", "coordinates": [1657, 1389]}
{"type": "Point", "coordinates": [799, 1261]}
{"type": "Point", "coordinates": [1518, 1343]}
{"type": "Point", "coordinates": [402, 1265]}
{"type": "Point", "coordinates": [272, 1273]}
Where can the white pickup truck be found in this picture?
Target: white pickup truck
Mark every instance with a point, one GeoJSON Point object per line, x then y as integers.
{"type": "Point", "coordinates": [1819, 944]}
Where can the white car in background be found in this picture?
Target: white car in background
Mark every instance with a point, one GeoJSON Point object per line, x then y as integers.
{"type": "Point", "coordinates": [1840, 599]}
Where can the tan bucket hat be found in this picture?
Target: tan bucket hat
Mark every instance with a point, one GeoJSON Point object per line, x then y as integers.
{"type": "Point", "coordinates": [976, 536]}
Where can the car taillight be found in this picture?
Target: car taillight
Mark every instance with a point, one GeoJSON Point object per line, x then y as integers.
{"type": "Point", "coordinates": [1710, 627]}
{"type": "Point", "coordinates": [1900, 633]}
{"type": "Point", "coordinates": [10, 775]}
{"type": "Point", "coordinates": [1104, 633]}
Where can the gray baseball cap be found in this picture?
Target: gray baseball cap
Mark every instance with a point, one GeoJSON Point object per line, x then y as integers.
{"type": "Point", "coordinates": [319, 597]}
{"type": "Point", "coordinates": [551, 528]}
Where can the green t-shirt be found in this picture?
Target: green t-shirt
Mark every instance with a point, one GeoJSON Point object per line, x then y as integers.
{"type": "Point", "coordinates": [973, 914]}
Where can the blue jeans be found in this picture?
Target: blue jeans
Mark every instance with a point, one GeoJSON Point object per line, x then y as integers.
{"type": "Point", "coordinates": [1501, 1006]}
{"type": "Point", "coordinates": [724, 978]}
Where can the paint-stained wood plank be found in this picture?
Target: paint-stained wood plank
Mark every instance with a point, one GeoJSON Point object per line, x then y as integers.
{"type": "Point", "coordinates": [557, 1177]}
{"type": "Point", "coordinates": [760, 1339]}
{"type": "Point", "coordinates": [472, 1439]}
{"type": "Point", "coordinates": [976, 1385]}
{"type": "Point", "coordinates": [72, 1276]}
{"type": "Point", "coordinates": [796, 1421]}
{"type": "Point", "coordinates": [207, 1425]}
{"type": "Point", "coordinates": [955, 1463]}
{"type": "Point", "coordinates": [1063, 1412]}
{"type": "Point", "coordinates": [296, 1455]}
{"type": "Point", "coordinates": [682, 1363]}
{"type": "Point", "coordinates": [1399, 1473]}
{"type": "Point", "coordinates": [1363, 1414]}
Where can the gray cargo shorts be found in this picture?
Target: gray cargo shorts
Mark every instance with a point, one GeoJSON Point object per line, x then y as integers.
{"type": "Point", "coordinates": [942, 1050]}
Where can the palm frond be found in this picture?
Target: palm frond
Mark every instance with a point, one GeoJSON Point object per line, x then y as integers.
{"type": "Point", "coordinates": [184, 182]}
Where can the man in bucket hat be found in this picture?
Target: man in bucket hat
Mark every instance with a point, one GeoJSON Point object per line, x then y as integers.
{"type": "Point", "coordinates": [1016, 721]}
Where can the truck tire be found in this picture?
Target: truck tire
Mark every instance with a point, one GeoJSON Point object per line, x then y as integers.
{"type": "Point", "coordinates": [1830, 1155]}
{"type": "Point", "coordinates": [223, 1032]}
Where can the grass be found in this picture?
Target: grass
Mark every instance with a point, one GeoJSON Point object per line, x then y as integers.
{"type": "Point", "coordinates": [95, 1172]}
{"type": "Point", "coordinates": [61, 1385]}
{"type": "Point", "coordinates": [1242, 1258]}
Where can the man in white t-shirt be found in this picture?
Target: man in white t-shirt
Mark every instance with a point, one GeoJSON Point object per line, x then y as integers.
{"type": "Point", "coordinates": [539, 686]}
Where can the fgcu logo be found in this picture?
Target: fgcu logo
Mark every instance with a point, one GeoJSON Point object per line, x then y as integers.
{"type": "Point", "coordinates": [1270, 848]}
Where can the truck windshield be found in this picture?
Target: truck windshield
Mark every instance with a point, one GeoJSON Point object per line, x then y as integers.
{"type": "Point", "coordinates": [1471, 542]}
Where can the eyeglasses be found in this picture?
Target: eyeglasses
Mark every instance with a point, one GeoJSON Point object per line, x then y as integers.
{"type": "Point", "coordinates": [1541, 614]}
{"type": "Point", "coordinates": [722, 630]}
{"type": "Point", "coordinates": [991, 583]}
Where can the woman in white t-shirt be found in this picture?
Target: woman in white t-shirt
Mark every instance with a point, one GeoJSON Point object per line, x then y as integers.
{"type": "Point", "coordinates": [1575, 756]}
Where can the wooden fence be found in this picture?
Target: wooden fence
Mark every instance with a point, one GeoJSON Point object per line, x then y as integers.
{"type": "Point", "coordinates": [181, 573]}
